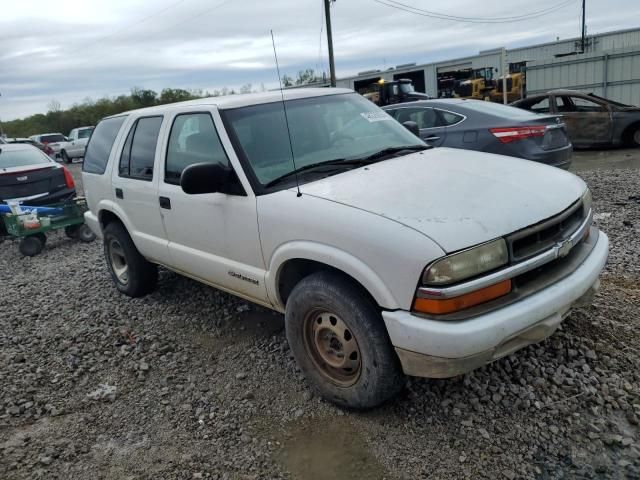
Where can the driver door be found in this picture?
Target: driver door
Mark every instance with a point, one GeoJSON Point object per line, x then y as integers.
{"type": "Point", "coordinates": [588, 122]}
{"type": "Point", "coordinates": [214, 236]}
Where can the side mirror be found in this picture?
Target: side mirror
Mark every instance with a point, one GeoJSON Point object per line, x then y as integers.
{"type": "Point", "coordinates": [204, 178]}
{"type": "Point", "coordinates": [412, 127]}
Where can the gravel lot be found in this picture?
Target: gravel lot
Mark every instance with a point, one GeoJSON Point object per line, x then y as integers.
{"type": "Point", "coordinates": [190, 383]}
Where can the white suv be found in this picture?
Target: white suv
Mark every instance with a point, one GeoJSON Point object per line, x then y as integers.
{"type": "Point", "coordinates": [386, 257]}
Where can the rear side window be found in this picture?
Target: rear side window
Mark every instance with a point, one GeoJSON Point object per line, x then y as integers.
{"type": "Point", "coordinates": [450, 118]}
{"type": "Point", "coordinates": [139, 152]}
{"type": "Point", "coordinates": [100, 145]}
{"type": "Point", "coordinates": [193, 139]}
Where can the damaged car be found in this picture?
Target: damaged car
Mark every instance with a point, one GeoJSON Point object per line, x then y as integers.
{"type": "Point", "coordinates": [591, 121]}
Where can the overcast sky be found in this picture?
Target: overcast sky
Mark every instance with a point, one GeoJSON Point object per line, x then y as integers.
{"type": "Point", "coordinates": [70, 50]}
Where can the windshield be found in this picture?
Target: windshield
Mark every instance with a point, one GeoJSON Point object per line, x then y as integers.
{"type": "Point", "coordinates": [406, 88]}
{"type": "Point", "coordinates": [51, 138]}
{"type": "Point", "coordinates": [322, 129]}
{"type": "Point", "coordinates": [85, 132]}
{"type": "Point", "coordinates": [21, 158]}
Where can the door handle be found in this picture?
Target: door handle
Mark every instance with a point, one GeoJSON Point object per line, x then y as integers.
{"type": "Point", "coordinates": [119, 193]}
{"type": "Point", "coordinates": [433, 137]}
{"type": "Point", "coordinates": [165, 202]}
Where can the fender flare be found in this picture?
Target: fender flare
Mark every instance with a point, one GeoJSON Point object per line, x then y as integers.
{"type": "Point", "coordinates": [333, 257]}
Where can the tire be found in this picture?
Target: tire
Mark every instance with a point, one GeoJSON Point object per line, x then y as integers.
{"type": "Point", "coordinates": [71, 231]}
{"type": "Point", "coordinates": [65, 157]}
{"type": "Point", "coordinates": [31, 245]}
{"type": "Point", "coordinates": [339, 340]}
{"type": "Point", "coordinates": [42, 237]}
{"type": "Point", "coordinates": [85, 234]}
{"type": "Point", "coordinates": [131, 272]}
{"type": "Point", "coordinates": [634, 137]}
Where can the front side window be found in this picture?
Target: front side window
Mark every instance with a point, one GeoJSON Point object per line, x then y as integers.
{"type": "Point", "coordinates": [193, 139]}
{"type": "Point", "coordinates": [331, 127]}
{"type": "Point", "coordinates": [583, 105]}
{"type": "Point", "coordinates": [139, 152]}
{"type": "Point", "coordinates": [100, 145]}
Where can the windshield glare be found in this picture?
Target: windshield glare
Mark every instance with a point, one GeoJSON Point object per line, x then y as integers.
{"type": "Point", "coordinates": [21, 158]}
{"type": "Point", "coordinates": [322, 129]}
{"type": "Point", "coordinates": [85, 132]}
{"type": "Point", "coordinates": [406, 88]}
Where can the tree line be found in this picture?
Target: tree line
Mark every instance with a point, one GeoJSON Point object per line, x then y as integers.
{"type": "Point", "coordinates": [89, 112]}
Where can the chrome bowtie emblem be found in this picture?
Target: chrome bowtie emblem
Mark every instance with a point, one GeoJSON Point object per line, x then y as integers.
{"type": "Point", "coordinates": [21, 179]}
{"type": "Point", "coordinates": [564, 248]}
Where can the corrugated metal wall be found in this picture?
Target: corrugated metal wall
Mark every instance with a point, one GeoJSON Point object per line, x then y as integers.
{"type": "Point", "coordinates": [614, 74]}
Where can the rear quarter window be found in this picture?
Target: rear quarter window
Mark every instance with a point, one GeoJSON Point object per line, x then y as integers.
{"type": "Point", "coordinates": [100, 144]}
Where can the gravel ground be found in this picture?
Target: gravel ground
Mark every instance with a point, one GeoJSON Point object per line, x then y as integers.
{"type": "Point", "coordinates": [190, 382]}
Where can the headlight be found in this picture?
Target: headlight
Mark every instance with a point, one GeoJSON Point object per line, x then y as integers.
{"type": "Point", "coordinates": [587, 200]}
{"type": "Point", "coordinates": [467, 264]}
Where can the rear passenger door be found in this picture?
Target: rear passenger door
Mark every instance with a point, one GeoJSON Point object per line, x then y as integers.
{"type": "Point", "coordinates": [135, 185]}
{"type": "Point", "coordinates": [213, 237]}
{"type": "Point", "coordinates": [431, 128]}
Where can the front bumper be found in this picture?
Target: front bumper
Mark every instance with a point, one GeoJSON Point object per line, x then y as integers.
{"type": "Point", "coordinates": [440, 349]}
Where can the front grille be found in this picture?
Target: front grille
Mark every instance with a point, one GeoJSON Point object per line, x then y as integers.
{"type": "Point", "coordinates": [544, 235]}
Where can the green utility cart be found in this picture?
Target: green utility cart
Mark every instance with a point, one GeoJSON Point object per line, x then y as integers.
{"type": "Point", "coordinates": [68, 215]}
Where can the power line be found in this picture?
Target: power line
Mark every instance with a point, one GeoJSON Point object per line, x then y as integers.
{"type": "Point", "coordinates": [491, 19]}
{"type": "Point", "coordinates": [441, 16]}
{"type": "Point", "coordinates": [128, 26]}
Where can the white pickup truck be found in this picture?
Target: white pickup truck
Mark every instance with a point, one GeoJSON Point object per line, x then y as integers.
{"type": "Point", "coordinates": [76, 144]}
{"type": "Point", "coordinates": [388, 258]}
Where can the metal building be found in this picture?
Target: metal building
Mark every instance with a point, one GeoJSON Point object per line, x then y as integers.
{"type": "Point", "coordinates": [609, 66]}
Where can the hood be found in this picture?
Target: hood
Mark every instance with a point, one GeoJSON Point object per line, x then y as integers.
{"type": "Point", "coordinates": [458, 198]}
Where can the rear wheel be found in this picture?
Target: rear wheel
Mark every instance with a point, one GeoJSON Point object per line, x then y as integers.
{"type": "Point", "coordinates": [85, 234]}
{"type": "Point", "coordinates": [338, 338]}
{"type": "Point", "coordinates": [31, 245]}
{"type": "Point", "coordinates": [131, 272]}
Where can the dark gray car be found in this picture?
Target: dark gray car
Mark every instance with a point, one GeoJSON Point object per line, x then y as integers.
{"type": "Point", "coordinates": [591, 120]}
{"type": "Point", "coordinates": [488, 127]}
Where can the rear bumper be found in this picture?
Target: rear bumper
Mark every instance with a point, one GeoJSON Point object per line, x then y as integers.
{"type": "Point", "coordinates": [440, 349]}
{"type": "Point", "coordinates": [560, 157]}
{"type": "Point", "coordinates": [93, 222]}
{"type": "Point", "coordinates": [55, 197]}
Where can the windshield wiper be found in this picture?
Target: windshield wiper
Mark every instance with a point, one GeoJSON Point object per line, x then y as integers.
{"type": "Point", "coordinates": [315, 166]}
{"type": "Point", "coordinates": [379, 155]}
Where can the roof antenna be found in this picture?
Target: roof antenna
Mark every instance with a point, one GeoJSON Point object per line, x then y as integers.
{"type": "Point", "coordinates": [286, 118]}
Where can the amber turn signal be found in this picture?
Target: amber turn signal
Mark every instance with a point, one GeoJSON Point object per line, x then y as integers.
{"type": "Point", "coordinates": [450, 305]}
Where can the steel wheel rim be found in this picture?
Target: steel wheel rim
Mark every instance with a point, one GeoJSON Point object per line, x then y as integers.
{"type": "Point", "coordinates": [118, 261]}
{"type": "Point", "coordinates": [332, 347]}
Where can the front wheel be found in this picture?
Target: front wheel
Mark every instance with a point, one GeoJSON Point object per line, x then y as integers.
{"type": "Point", "coordinates": [339, 340]}
{"type": "Point", "coordinates": [131, 272]}
{"type": "Point", "coordinates": [635, 137]}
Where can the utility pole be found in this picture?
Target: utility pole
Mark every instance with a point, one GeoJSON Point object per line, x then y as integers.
{"type": "Point", "coordinates": [332, 66]}
{"type": "Point", "coordinates": [584, 25]}
{"type": "Point", "coordinates": [505, 72]}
